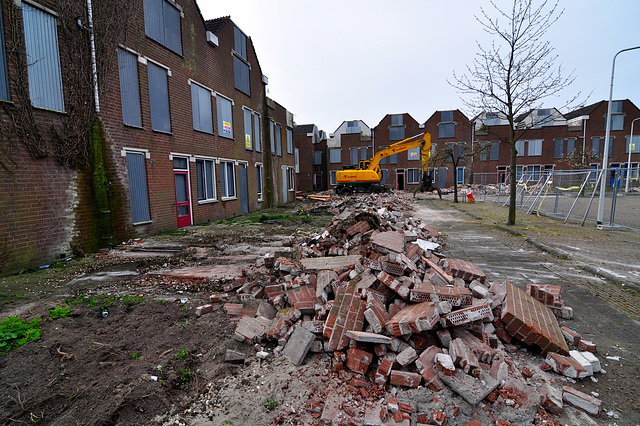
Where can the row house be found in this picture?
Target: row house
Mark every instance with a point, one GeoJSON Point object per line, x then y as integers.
{"type": "Point", "coordinates": [185, 132]}
{"type": "Point", "coordinates": [554, 141]}
{"type": "Point", "coordinates": [347, 146]}
{"type": "Point", "coordinates": [311, 143]}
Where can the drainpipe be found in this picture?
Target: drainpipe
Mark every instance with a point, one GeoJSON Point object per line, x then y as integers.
{"type": "Point", "coordinates": [584, 138]}
{"type": "Point", "coordinates": [94, 68]}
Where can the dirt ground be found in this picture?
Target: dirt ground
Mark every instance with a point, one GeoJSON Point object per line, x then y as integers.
{"type": "Point", "coordinates": [134, 352]}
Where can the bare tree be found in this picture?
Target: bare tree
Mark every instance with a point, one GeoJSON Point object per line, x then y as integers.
{"type": "Point", "coordinates": [516, 73]}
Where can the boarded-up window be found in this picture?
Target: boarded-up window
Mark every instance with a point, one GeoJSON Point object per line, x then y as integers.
{"type": "Point", "coordinates": [494, 154]}
{"type": "Point", "coordinates": [162, 23]}
{"type": "Point", "coordinates": [257, 132]}
{"type": "Point", "coordinates": [225, 117]}
{"type": "Point", "coordinates": [138, 194]}
{"type": "Point", "coordinates": [201, 106]}
{"type": "Point", "coordinates": [129, 88]}
{"type": "Point", "coordinates": [241, 75]}
{"type": "Point", "coordinates": [159, 98]}
{"type": "Point", "coordinates": [279, 139]}
{"type": "Point", "coordinates": [248, 129]}
{"type": "Point", "coordinates": [43, 58]}
{"type": "Point", "coordinates": [290, 141]}
{"type": "Point", "coordinates": [396, 133]}
{"type": "Point", "coordinates": [4, 79]}
{"type": "Point", "coordinates": [558, 148]}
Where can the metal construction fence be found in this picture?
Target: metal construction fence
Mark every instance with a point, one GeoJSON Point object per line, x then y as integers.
{"type": "Point", "coordinates": [570, 195]}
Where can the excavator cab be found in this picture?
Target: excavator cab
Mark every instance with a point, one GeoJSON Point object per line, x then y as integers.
{"type": "Point", "coordinates": [364, 165]}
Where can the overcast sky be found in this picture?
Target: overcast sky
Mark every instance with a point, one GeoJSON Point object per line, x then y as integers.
{"type": "Point", "coordinates": [328, 61]}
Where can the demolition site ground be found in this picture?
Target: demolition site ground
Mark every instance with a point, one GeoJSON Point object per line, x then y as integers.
{"type": "Point", "coordinates": [121, 339]}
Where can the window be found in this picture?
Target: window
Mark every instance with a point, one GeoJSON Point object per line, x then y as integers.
{"type": "Point", "coordinates": [296, 157]}
{"type": "Point", "coordinates": [413, 153]}
{"type": "Point", "coordinates": [290, 181]}
{"type": "Point", "coordinates": [332, 177]}
{"type": "Point", "coordinates": [446, 130]}
{"type": "Point", "coordinates": [279, 139]}
{"type": "Point", "coordinates": [393, 159]}
{"type": "Point", "coordinates": [533, 172]}
{"type": "Point", "coordinates": [259, 180]}
{"type": "Point", "coordinates": [535, 148]}
{"type": "Point", "coordinates": [138, 195]}
{"type": "Point", "coordinates": [460, 175]}
{"type": "Point", "coordinates": [159, 98]}
{"type": "Point", "coordinates": [353, 156]}
{"type": "Point", "coordinates": [519, 170]}
{"type": "Point", "coordinates": [571, 146]}
{"type": "Point", "coordinates": [272, 133]}
{"type": "Point", "coordinates": [4, 78]}
{"type": "Point", "coordinates": [520, 148]}
{"type": "Point", "coordinates": [634, 171]}
{"type": "Point", "coordinates": [634, 146]}
{"type": "Point", "coordinates": [205, 171]}
{"type": "Point", "coordinates": [225, 117]}
{"type": "Point", "coordinates": [248, 129]}
{"type": "Point", "coordinates": [227, 179]}
{"type": "Point", "coordinates": [241, 75]}
{"type": "Point", "coordinates": [240, 43]}
{"type": "Point", "coordinates": [547, 170]}
{"type": "Point", "coordinates": [129, 88]}
{"type": "Point", "coordinates": [396, 120]}
{"type": "Point", "coordinates": [43, 58]}
{"type": "Point", "coordinates": [610, 150]}
{"type": "Point", "coordinates": [595, 146]}
{"type": "Point", "coordinates": [396, 133]}
{"type": "Point", "coordinates": [617, 118]}
{"type": "Point", "coordinates": [256, 131]}
{"type": "Point", "coordinates": [317, 158]}
{"type": "Point", "coordinates": [484, 147]}
{"type": "Point", "coordinates": [162, 23]}
{"type": "Point", "coordinates": [413, 176]}
{"type": "Point", "coordinates": [491, 119]}
{"type": "Point", "coordinates": [502, 174]}
{"type": "Point", "coordinates": [593, 175]}
{"type": "Point", "coordinates": [201, 107]}
{"type": "Point", "coordinates": [289, 141]}
{"type": "Point", "coordinates": [353, 127]}
{"type": "Point", "coordinates": [363, 153]}
{"type": "Point", "coordinates": [446, 116]}
{"type": "Point", "coordinates": [494, 153]}
{"type": "Point", "coordinates": [335, 155]}
{"type": "Point", "coordinates": [543, 118]}
{"type": "Point", "coordinates": [558, 148]}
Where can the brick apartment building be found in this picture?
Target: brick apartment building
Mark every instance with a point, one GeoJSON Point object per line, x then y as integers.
{"type": "Point", "coordinates": [553, 137]}
{"type": "Point", "coordinates": [311, 144]}
{"type": "Point", "coordinates": [185, 133]}
{"type": "Point", "coordinates": [350, 143]}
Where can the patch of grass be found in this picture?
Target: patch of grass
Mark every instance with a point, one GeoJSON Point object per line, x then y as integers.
{"type": "Point", "coordinates": [183, 353]}
{"type": "Point", "coordinates": [270, 404]}
{"type": "Point", "coordinates": [103, 301]}
{"type": "Point", "coordinates": [60, 312]}
{"type": "Point", "coordinates": [136, 355]}
{"type": "Point", "coordinates": [15, 333]}
{"type": "Point", "coordinates": [175, 232]}
{"type": "Point", "coordinates": [184, 376]}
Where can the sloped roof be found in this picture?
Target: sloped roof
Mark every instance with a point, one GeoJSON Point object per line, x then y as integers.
{"type": "Point", "coordinates": [583, 111]}
{"type": "Point", "coordinates": [215, 25]}
{"type": "Point", "coordinates": [303, 128]}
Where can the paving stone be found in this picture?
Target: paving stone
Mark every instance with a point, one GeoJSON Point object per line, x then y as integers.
{"type": "Point", "coordinates": [531, 322]}
{"type": "Point", "coordinates": [298, 345]}
{"type": "Point", "coordinates": [469, 388]}
{"type": "Point", "coordinates": [363, 336]}
{"type": "Point", "coordinates": [581, 400]}
{"type": "Point", "coordinates": [324, 263]}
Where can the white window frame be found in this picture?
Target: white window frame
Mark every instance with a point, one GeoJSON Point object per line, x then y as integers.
{"type": "Point", "coordinates": [211, 160]}
{"type": "Point", "coordinates": [534, 147]}
{"type": "Point", "coordinates": [289, 141]}
{"type": "Point", "coordinates": [222, 162]}
{"type": "Point", "coordinates": [332, 177]}
{"type": "Point", "coordinates": [291, 179]}
{"type": "Point", "coordinates": [414, 174]}
{"type": "Point", "coordinates": [260, 181]}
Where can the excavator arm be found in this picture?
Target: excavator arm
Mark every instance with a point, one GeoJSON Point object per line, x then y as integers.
{"type": "Point", "coordinates": [422, 140]}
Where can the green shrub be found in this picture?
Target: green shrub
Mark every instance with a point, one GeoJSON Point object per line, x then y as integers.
{"type": "Point", "coordinates": [60, 312]}
{"type": "Point", "coordinates": [15, 333]}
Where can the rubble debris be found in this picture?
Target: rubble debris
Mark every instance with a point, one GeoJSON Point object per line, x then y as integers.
{"type": "Point", "coordinates": [588, 403]}
{"type": "Point", "coordinates": [374, 296]}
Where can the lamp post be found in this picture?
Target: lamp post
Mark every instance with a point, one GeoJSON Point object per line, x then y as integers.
{"type": "Point", "coordinates": [626, 186]}
{"type": "Point", "coordinates": [605, 154]}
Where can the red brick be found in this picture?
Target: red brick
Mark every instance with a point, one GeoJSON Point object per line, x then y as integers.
{"type": "Point", "coordinates": [587, 345]}
{"type": "Point", "coordinates": [466, 270]}
{"type": "Point", "coordinates": [303, 298]}
{"type": "Point", "coordinates": [405, 378]}
{"type": "Point", "coordinates": [358, 360]}
{"type": "Point", "coordinates": [413, 319]}
{"type": "Point", "coordinates": [469, 314]}
{"type": "Point", "coordinates": [457, 296]}
{"type": "Point", "coordinates": [346, 314]}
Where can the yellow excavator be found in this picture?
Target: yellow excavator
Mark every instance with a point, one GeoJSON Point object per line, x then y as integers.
{"type": "Point", "coordinates": [367, 177]}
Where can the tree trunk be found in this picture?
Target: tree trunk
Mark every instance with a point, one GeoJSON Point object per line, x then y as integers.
{"type": "Point", "coordinates": [511, 220]}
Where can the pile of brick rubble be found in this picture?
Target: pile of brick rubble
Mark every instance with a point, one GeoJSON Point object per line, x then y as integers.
{"type": "Point", "coordinates": [373, 293]}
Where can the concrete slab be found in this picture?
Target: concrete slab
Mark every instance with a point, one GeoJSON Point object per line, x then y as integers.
{"type": "Point", "coordinates": [324, 263]}
{"type": "Point", "coordinates": [298, 345]}
{"type": "Point", "coordinates": [469, 388]}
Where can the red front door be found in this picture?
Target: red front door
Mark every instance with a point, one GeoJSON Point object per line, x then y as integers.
{"type": "Point", "coordinates": [183, 207]}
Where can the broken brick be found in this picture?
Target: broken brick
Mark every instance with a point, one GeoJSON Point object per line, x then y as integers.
{"type": "Point", "coordinates": [405, 378]}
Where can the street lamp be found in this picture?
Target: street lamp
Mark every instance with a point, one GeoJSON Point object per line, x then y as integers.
{"type": "Point", "coordinates": [626, 186]}
{"type": "Point", "coordinates": [605, 154]}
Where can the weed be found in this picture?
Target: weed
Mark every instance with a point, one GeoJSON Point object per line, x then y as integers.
{"type": "Point", "coordinates": [182, 325]}
{"type": "Point", "coordinates": [229, 422]}
{"type": "Point", "coordinates": [183, 353]}
{"type": "Point", "coordinates": [270, 404]}
{"type": "Point", "coordinates": [136, 356]}
{"type": "Point", "coordinates": [15, 333]}
{"type": "Point", "coordinates": [184, 376]}
{"type": "Point", "coordinates": [60, 312]}
{"type": "Point", "coordinates": [159, 368]}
